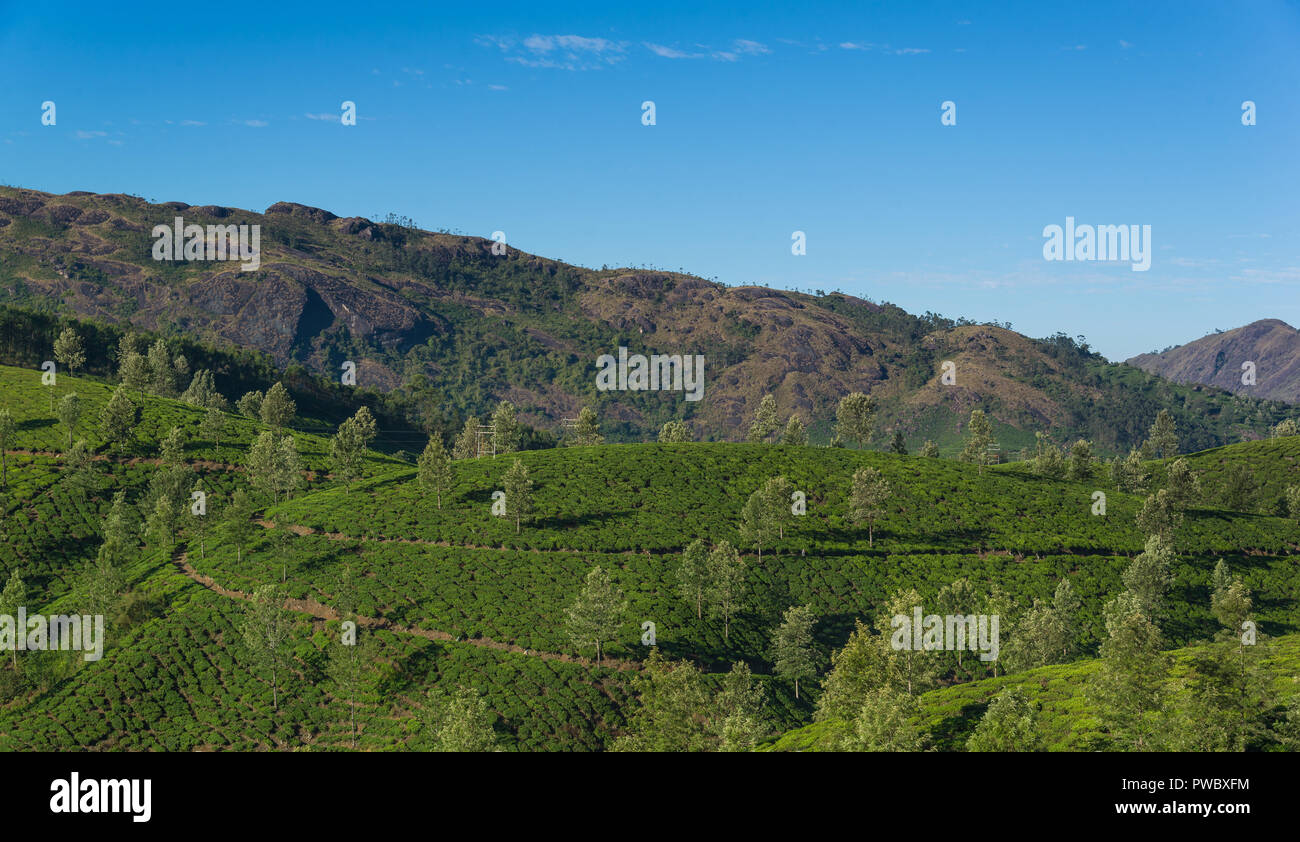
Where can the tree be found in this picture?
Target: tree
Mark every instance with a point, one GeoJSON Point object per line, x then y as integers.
{"type": "Point", "coordinates": [519, 494]}
{"type": "Point", "coordinates": [237, 525]}
{"type": "Point", "coordinates": [202, 391]}
{"type": "Point", "coordinates": [119, 540]}
{"type": "Point", "coordinates": [1148, 578]}
{"type": "Point", "coordinates": [127, 345]}
{"type": "Point", "coordinates": [908, 669]}
{"type": "Point", "coordinates": [265, 629]}
{"type": "Point", "coordinates": [764, 423]}
{"type": "Point", "coordinates": [12, 598]}
{"type": "Point", "coordinates": [979, 438]}
{"type": "Point", "coordinates": [458, 722]}
{"type": "Point", "coordinates": [1080, 467]}
{"type": "Point", "coordinates": [675, 432]}
{"type": "Point", "coordinates": [794, 652]}
{"type": "Point", "coordinates": [1129, 474]}
{"type": "Point", "coordinates": [6, 438]}
{"type": "Point", "coordinates": [1293, 501]}
{"type": "Point", "coordinates": [1129, 687]}
{"type": "Point", "coordinates": [666, 716]}
{"type": "Point", "coordinates": [466, 446]}
{"type": "Point", "coordinates": [886, 721]}
{"type": "Point", "coordinates": [738, 720]}
{"type": "Point", "coordinates": [1162, 438]}
{"type": "Point", "coordinates": [117, 419]}
{"type": "Point", "coordinates": [597, 614]}
{"type": "Point", "coordinates": [1285, 428]}
{"type": "Point", "coordinates": [1038, 639]}
{"type": "Point", "coordinates": [69, 350]}
{"type": "Point", "coordinates": [587, 431]}
{"type": "Point", "coordinates": [795, 435]}
{"type": "Point", "coordinates": [867, 499]}
{"type": "Point", "coordinates": [214, 423]}
{"type": "Point", "coordinates": [756, 526]}
{"type": "Point", "coordinates": [99, 589]}
{"type": "Point", "coordinates": [898, 444]}
{"type": "Point", "coordinates": [1184, 487]}
{"type": "Point", "coordinates": [1047, 458]}
{"type": "Point", "coordinates": [273, 465]}
{"type": "Point", "coordinates": [278, 409]}
{"type": "Point", "coordinates": [79, 467]}
{"type": "Point", "coordinates": [854, 418]}
{"type": "Point", "coordinates": [1067, 607]}
{"type": "Point", "coordinates": [250, 405]}
{"type": "Point", "coordinates": [160, 528]}
{"type": "Point", "coordinates": [857, 669]}
{"type": "Point", "coordinates": [505, 428]}
{"type": "Point", "coordinates": [693, 575]}
{"type": "Point", "coordinates": [930, 450]}
{"type": "Point", "coordinates": [135, 374]}
{"type": "Point", "coordinates": [70, 413]}
{"type": "Point", "coordinates": [1158, 515]}
{"type": "Point", "coordinates": [1009, 724]}
{"type": "Point", "coordinates": [346, 450]}
{"type": "Point", "coordinates": [347, 668]}
{"type": "Point", "coordinates": [433, 468]}
{"type": "Point", "coordinates": [162, 371]}
{"type": "Point", "coordinates": [726, 584]}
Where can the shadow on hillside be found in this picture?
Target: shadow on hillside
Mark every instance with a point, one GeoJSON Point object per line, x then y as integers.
{"type": "Point", "coordinates": [36, 423]}
{"type": "Point", "coordinates": [951, 733]}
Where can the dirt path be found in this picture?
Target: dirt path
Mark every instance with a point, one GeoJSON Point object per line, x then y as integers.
{"type": "Point", "coordinates": [325, 612]}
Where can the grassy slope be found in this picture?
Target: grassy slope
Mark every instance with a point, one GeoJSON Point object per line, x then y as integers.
{"type": "Point", "coordinates": [630, 508]}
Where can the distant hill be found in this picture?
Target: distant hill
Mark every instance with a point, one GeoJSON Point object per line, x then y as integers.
{"type": "Point", "coordinates": [447, 328]}
{"type": "Point", "coordinates": [1216, 360]}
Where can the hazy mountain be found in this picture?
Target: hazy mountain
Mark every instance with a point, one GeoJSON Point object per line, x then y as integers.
{"type": "Point", "coordinates": [1217, 360]}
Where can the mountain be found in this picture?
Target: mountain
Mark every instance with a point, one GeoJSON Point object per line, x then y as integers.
{"type": "Point", "coordinates": [443, 325]}
{"type": "Point", "coordinates": [1217, 360]}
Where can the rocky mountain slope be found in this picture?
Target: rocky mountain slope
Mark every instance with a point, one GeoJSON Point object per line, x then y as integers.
{"type": "Point", "coordinates": [1216, 360]}
{"type": "Point", "coordinates": [455, 327]}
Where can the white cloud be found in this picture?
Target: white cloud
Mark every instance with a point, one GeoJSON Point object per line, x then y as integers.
{"type": "Point", "coordinates": [257, 124]}
{"type": "Point", "coordinates": [84, 135]}
{"type": "Point", "coordinates": [562, 52]}
{"type": "Point", "coordinates": [324, 116]}
{"type": "Point", "coordinates": [1124, 44]}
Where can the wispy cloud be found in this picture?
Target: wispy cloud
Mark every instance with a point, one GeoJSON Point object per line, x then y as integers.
{"type": "Point", "coordinates": [1124, 44]}
{"type": "Point", "coordinates": [193, 123]}
{"type": "Point", "coordinates": [560, 52]}
{"type": "Point", "coordinates": [84, 135]}
{"type": "Point", "coordinates": [257, 124]}
{"type": "Point", "coordinates": [738, 49]}
{"type": "Point", "coordinates": [324, 115]}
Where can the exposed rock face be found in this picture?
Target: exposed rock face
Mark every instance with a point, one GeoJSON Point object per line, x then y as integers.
{"type": "Point", "coordinates": [1216, 360]}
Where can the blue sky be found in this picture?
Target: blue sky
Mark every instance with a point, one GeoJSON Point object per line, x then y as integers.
{"type": "Point", "coordinates": [823, 118]}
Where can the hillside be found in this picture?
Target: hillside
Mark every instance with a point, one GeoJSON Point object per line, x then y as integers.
{"type": "Point", "coordinates": [440, 324]}
{"type": "Point", "coordinates": [453, 596]}
{"type": "Point", "coordinates": [1216, 360]}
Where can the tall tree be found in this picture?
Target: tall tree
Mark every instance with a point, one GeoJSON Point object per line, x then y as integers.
{"type": "Point", "coordinates": [597, 614]}
{"type": "Point", "coordinates": [794, 651]}
{"type": "Point", "coordinates": [278, 409]}
{"type": "Point", "coordinates": [666, 716]}
{"type": "Point", "coordinates": [726, 584]}
{"type": "Point", "coordinates": [756, 526]}
{"type": "Point", "coordinates": [1162, 439]}
{"type": "Point", "coordinates": [346, 451]}
{"type": "Point", "coordinates": [867, 499]}
{"type": "Point", "coordinates": [855, 417]}
{"type": "Point", "coordinates": [1080, 465]}
{"type": "Point", "coordinates": [898, 444]}
{"type": "Point", "coordinates": [979, 438]}
{"type": "Point", "coordinates": [1148, 578]}
{"type": "Point", "coordinates": [1047, 457]}
{"type": "Point", "coordinates": [505, 428]}
{"type": "Point", "coordinates": [433, 468]}
{"type": "Point", "coordinates": [1184, 487]}
{"type": "Point", "coordinates": [466, 446]}
{"type": "Point", "coordinates": [738, 720]}
{"type": "Point", "coordinates": [162, 370]}
{"type": "Point", "coordinates": [519, 494]}
{"type": "Point", "coordinates": [1010, 724]}
{"type": "Point", "coordinates": [348, 665]}
{"type": "Point", "coordinates": [693, 575]}
{"type": "Point", "coordinates": [70, 413]}
{"type": "Point", "coordinates": [857, 669]}
{"type": "Point", "coordinates": [795, 434]}
{"type": "Point", "coordinates": [117, 419]}
{"type": "Point", "coordinates": [12, 598]}
{"type": "Point", "coordinates": [250, 405]}
{"type": "Point", "coordinates": [237, 525]}
{"type": "Point", "coordinates": [213, 424]}
{"type": "Point", "coordinates": [265, 629]}
{"type": "Point", "coordinates": [930, 450]}
{"type": "Point", "coordinates": [1158, 515]}
{"type": "Point", "coordinates": [458, 722]}
{"type": "Point", "coordinates": [886, 721]}
{"type": "Point", "coordinates": [69, 350]}
{"type": "Point", "coordinates": [675, 432]}
{"type": "Point", "coordinates": [1129, 686]}
{"type": "Point", "coordinates": [764, 423]}
{"type": "Point", "coordinates": [7, 428]}
{"type": "Point", "coordinates": [587, 431]}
